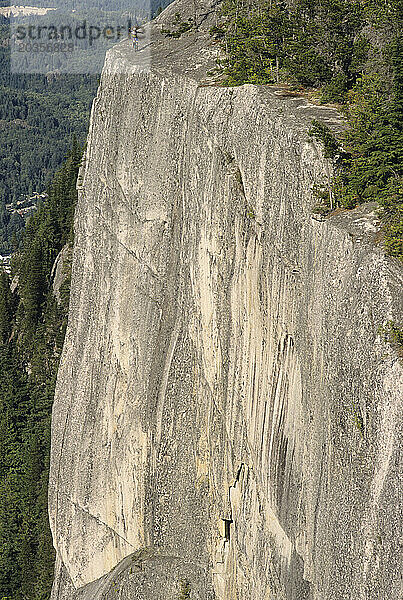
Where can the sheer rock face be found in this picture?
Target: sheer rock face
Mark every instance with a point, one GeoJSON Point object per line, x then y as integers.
{"type": "Point", "coordinates": [227, 411]}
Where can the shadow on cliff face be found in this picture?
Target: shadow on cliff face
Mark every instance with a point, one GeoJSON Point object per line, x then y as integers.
{"type": "Point", "coordinates": [297, 588]}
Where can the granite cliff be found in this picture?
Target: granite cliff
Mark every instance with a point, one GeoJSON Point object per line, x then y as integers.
{"type": "Point", "coordinates": [227, 412]}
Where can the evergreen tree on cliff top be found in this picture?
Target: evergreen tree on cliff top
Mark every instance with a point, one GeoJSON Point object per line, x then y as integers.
{"type": "Point", "coordinates": [349, 52]}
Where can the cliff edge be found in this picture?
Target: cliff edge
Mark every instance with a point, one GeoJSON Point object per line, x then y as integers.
{"type": "Point", "coordinates": [227, 415]}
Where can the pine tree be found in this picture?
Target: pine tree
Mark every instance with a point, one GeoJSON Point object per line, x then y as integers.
{"type": "Point", "coordinates": [6, 307]}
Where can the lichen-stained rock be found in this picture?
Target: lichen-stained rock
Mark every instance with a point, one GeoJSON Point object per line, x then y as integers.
{"type": "Point", "coordinates": [227, 411]}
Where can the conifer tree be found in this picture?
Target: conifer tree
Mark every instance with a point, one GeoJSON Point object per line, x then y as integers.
{"type": "Point", "coordinates": [5, 307]}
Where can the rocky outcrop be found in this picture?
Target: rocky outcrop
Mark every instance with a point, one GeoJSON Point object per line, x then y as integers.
{"type": "Point", "coordinates": [227, 409]}
{"type": "Point", "coordinates": [61, 272]}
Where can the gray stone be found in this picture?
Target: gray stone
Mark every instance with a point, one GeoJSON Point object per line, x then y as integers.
{"type": "Point", "coordinates": [61, 270]}
{"type": "Point", "coordinates": [227, 411]}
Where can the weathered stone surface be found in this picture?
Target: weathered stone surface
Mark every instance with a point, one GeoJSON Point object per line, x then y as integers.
{"type": "Point", "coordinates": [223, 358]}
{"type": "Point", "coordinates": [61, 271]}
{"type": "Point", "coordinates": [147, 573]}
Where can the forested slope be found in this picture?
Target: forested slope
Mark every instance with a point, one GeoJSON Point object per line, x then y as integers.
{"type": "Point", "coordinates": [32, 326]}
{"type": "Point", "coordinates": [39, 115]}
